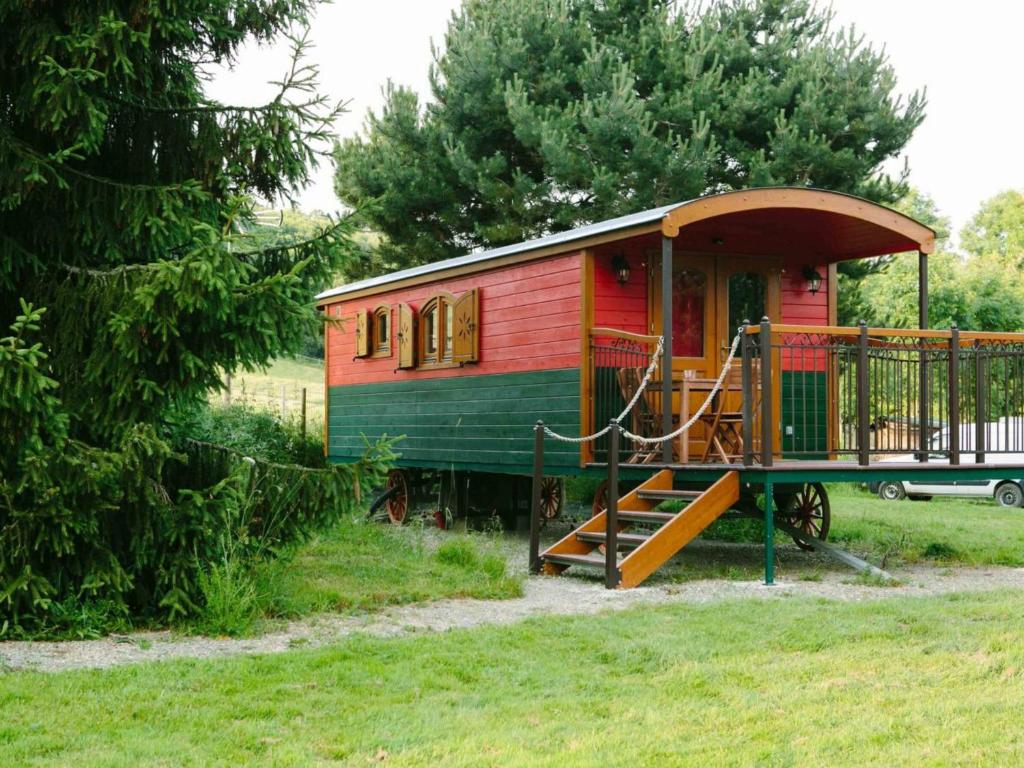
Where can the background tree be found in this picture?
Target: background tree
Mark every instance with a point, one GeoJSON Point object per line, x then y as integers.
{"type": "Point", "coordinates": [997, 229]}
{"type": "Point", "coordinates": [978, 292]}
{"type": "Point", "coordinates": [547, 114]}
{"type": "Point", "coordinates": [122, 192]}
{"type": "Point", "coordinates": [856, 302]}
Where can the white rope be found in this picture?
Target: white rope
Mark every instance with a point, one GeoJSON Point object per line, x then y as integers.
{"type": "Point", "coordinates": [700, 411]}
{"type": "Point", "coordinates": [629, 406]}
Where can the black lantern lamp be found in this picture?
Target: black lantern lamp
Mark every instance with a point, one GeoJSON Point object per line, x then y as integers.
{"type": "Point", "coordinates": [621, 267]}
{"type": "Point", "coordinates": [813, 279]}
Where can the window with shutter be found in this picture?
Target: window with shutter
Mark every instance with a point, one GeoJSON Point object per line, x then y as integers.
{"type": "Point", "coordinates": [466, 327]}
{"type": "Point", "coordinates": [406, 337]}
{"type": "Point", "coordinates": [362, 334]}
{"type": "Point", "coordinates": [380, 333]}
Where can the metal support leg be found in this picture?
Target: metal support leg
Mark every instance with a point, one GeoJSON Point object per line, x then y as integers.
{"type": "Point", "coordinates": [538, 481]}
{"type": "Point", "coordinates": [769, 535]}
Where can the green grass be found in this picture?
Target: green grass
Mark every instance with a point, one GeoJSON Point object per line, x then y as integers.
{"type": "Point", "coordinates": [365, 565]}
{"type": "Point", "coordinates": [263, 388]}
{"type": "Point", "coordinates": [940, 531]}
{"type": "Point", "coordinates": [901, 682]}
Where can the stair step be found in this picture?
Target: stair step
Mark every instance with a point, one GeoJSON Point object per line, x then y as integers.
{"type": "Point", "coordinates": [642, 516]}
{"type": "Point", "coordinates": [597, 561]}
{"type": "Point", "coordinates": [624, 539]}
{"type": "Point", "coordinates": [668, 495]}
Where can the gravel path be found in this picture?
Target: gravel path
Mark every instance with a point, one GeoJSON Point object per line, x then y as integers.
{"type": "Point", "coordinates": [543, 596]}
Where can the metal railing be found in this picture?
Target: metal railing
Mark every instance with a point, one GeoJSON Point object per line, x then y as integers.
{"type": "Point", "coordinates": [866, 393]}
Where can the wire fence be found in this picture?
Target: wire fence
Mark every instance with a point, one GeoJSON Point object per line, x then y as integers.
{"type": "Point", "coordinates": [290, 400]}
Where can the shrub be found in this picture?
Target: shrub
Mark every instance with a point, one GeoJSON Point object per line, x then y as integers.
{"type": "Point", "coordinates": [252, 432]}
{"type": "Point", "coordinates": [134, 528]}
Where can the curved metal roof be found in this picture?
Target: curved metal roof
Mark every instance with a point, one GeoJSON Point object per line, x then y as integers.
{"type": "Point", "coordinates": [907, 231]}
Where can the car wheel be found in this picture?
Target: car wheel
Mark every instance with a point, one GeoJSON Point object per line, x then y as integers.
{"type": "Point", "coordinates": [891, 490]}
{"type": "Point", "coordinates": [1009, 495]}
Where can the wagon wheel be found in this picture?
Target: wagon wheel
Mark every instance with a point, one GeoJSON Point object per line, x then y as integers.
{"type": "Point", "coordinates": [809, 511]}
{"type": "Point", "coordinates": [551, 497]}
{"type": "Point", "coordinates": [600, 503]}
{"type": "Point", "coordinates": [398, 503]}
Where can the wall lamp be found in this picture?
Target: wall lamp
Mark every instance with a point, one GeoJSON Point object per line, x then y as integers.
{"type": "Point", "coordinates": [621, 267]}
{"type": "Point", "coordinates": [813, 279]}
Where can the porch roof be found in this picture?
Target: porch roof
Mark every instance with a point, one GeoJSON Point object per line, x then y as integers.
{"type": "Point", "coordinates": [791, 221]}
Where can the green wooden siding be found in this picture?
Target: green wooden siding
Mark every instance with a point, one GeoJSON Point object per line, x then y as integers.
{"type": "Point", "coordinates": [463, 422]}
{"type": "Point", "coordinates": [805, 410]}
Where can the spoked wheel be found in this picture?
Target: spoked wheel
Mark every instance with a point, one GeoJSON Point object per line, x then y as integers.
{"type": "Point", "coordinates": [600, 503]}
{"type": "Point", "coordinates": [551, 497]}
{"type": "Point", "coordinates": [398, 503]}
{"type": "Point", "coordinates": [808, 510]}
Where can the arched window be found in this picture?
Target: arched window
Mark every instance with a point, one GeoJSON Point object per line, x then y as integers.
{"type": "Point", "coordinates": [381, 331]}
{"type": "Point", "coordinates": [436, 324]}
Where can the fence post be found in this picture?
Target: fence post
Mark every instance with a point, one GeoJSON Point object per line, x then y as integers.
{"type": "Point", "coordinates": [748, 396]}
{"type": "Point", "coordinates": [767, 433]}
{"type": "Point", "coordinates": [611, 522]}
{"type": "Point", "coordinates": [769, 533]}
{"type": "Point", "coordinates": [863, 404]}
{"type": "Point", "coordinates": [284, 402]}
{"type": "Point", "coordinates": [303, 414]}
{"type": "Point", "coordinates": [227, 389]}
{"type": "Point", "coordinates": [980, 406]}
{"type": "Point", "coordinates": [924, 405]}
{"type": "Point", "coordinates": [953, 390]}
{"type": "Point", "coordinates": [538, 482]}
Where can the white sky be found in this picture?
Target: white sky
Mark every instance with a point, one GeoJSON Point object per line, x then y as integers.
{"type": "Point", "coordinates": [968, 55]}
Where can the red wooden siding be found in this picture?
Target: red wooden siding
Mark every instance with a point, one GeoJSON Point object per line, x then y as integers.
{"type": "Point", "coordinates": [801, 307]}
{"type": "Point", "coordinates": [529, 321]}
{"type": "Point", "coordinates": [621, 306]}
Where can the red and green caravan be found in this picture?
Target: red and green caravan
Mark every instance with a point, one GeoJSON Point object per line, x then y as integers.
{"type": "Point", "coordinates": [689, 353]}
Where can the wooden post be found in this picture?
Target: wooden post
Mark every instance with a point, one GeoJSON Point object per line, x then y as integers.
{"type": "Point", "coordinates": [980, 406]}
{"type": "Point", "coordinates": [666, 353]}
{"type": "Point", "coordinates": [303, 414]}
{"type": "Point", "coordinates": [769, 534]}
{"type": "Point", "coordinates": [767, 427]}
{"type": "Point", "coordinates": [746, 359]}
{"type": "Point", "coordinates": [611, 527]}
{"type": "Point", "coordinates": [863, 398]}
{"type": "Point", "coordinates": [953, 390]}
{"type": "Point", "coordinates": [538, 482]}
{"type": "Point", "coordinates": [227, 389]}
{"type": "Point", "coordinates": [922, 323]}
{"type": "Point", "coordinates": [284, 403]}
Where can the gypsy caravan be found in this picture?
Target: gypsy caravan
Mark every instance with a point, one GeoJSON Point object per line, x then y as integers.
{"type": "Point", "coordinates": [492, 367]}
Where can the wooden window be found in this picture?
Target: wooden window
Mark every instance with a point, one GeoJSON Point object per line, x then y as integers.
{"type": "Point", "coordinates": [381, 331]}
{"type": "Point", "coordinates": [449, 329]}
{"type": "Point", "coordinates": [435, 336]}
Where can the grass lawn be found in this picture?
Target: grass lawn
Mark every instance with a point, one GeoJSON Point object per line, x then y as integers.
{"type": "Point", "coordinates": [940, 531]}
{"type": "Point", "coordinates": [902, 682]}
{"type": "Point", "coordinates": [362, 565]}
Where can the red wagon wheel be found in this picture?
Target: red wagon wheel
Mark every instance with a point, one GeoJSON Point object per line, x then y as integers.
{"type": "Point", "coordinates": [809, 511]}
{"type": "Point", "coordinates": [550, 497]}
{"type": "Point", "coordinates": [600, 503]}
{"type": "Point", "coordinates": [398, 503]}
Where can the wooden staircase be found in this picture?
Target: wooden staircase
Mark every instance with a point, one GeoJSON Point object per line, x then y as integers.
{"type": "Point", "coordinates": [647, 538]}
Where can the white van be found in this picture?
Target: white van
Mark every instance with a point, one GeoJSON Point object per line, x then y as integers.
{"type": "Point", "coordinates": [1009, 493]}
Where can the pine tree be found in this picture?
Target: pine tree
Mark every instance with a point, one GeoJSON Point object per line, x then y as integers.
{"type": "Point", "coordinates": [124, 195]}
{"type": "Point", "coordinates": [548, 114]}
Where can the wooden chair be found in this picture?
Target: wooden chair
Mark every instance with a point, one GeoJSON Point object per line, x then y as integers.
{"type": "Point", "coordinates": [644, 421]}
{"type": "Point", "coordinates": [724, 426]}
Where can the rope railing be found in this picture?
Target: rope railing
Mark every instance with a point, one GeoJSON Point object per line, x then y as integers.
{"type": "Point", "coordinates": [617, 421]}
{"type": "Point", "coordinates": [625, 412]}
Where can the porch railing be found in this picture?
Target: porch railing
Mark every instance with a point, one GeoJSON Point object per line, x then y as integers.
{"type": "Point", "coordinates": [866, 393]}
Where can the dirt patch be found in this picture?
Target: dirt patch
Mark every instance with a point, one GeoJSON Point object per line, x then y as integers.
{"type": "Point", "coordinates": [543, 596]}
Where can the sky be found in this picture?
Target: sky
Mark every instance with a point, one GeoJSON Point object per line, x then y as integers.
{"type": "Point", "coordinates": [967, 55]}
